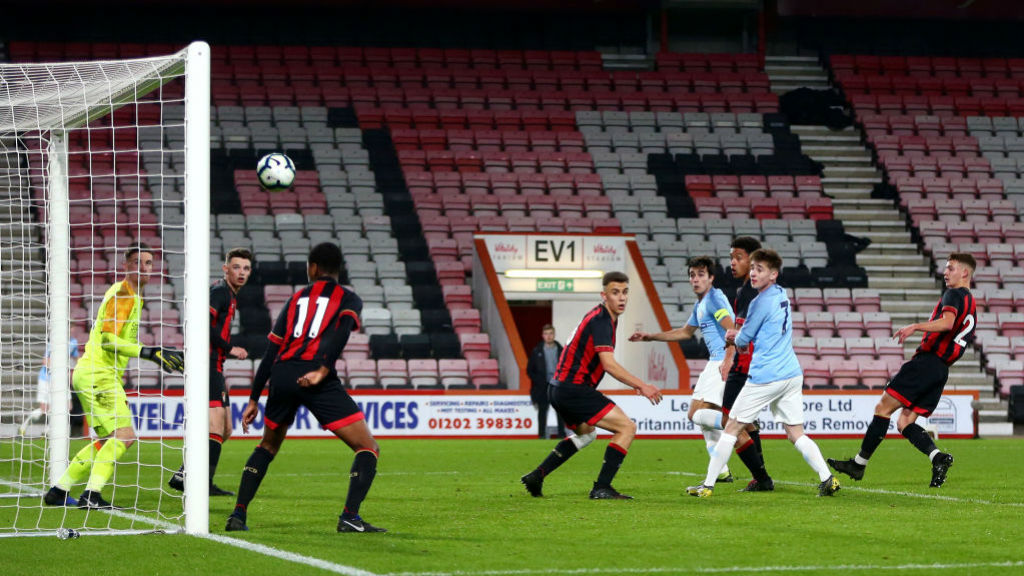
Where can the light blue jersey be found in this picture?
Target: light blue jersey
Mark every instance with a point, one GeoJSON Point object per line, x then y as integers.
{"type": "Point", "coordinates": [769, 326]}
{"type": "Point", "coordinates": [44, 373]}
{"type": "Point", "coordinates": [706, 315]}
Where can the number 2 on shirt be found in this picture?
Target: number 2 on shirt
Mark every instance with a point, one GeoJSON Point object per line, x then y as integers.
{"type": "Point", "coordinates": [314, 327]}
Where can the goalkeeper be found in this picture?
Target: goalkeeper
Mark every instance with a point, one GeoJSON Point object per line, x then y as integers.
{"type": "Point", "coordinates": [98, 379]}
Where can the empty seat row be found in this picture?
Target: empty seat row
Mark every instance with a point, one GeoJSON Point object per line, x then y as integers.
{"type": "Point", "coordinates": [936, 105]}
{"type": "Point", "coordinates": [950, 86]}
{"type": "Point", "coordinates": [669, 121]}
{"type": "Point", "coordinates": [467, 78]}
{"type": "Point", "coordinates": [921, 66]}
{"type": "Point", "coordinates": [936, 188]}
{"type": "Point", "coordinates": [473, 373]}
{"type": "Point", "coordinates": [526, 162]}
{"type": "Point", "coordinates": [983, 232]}
{"type": "Point", "coordinates": [723, 186]}
{"type": "Point", "coordinates": [838, 373]}
{"type": "Point", "coordinates": [527, 184]}
{"type": "Point", "coordinates": [679, 142]}
{"type": "Point", "coordinates": [998, 254]}
{"type": "Point", "coordinates": [762, 208]}
{"type": "Point", "coordinates": [914, 146]}
{"type": "Point", "coordinates": [918, 124]}
{"type": "Point", "coordinates": [454, 205]}
{"type": "Point", "coordinates": [932, 208]}
{"type": "Point", "coordinates": [852, 347]}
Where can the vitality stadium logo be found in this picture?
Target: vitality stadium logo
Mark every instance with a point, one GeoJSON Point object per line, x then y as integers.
{"type": "Point", "coordinates": [944, 416]}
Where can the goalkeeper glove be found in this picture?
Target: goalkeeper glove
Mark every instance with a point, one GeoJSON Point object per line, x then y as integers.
{"type": "Point", "coordinates": [169, 360]}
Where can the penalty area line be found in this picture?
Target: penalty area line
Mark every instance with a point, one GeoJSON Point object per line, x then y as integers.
{"type": "Point", "coordinates": [719, 570]}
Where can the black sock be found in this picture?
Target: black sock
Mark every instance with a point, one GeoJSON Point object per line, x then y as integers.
{"type": "Point", "coordinates": [755, 435]}
{"type": "Point", "coordinates": [874, 436]}
{"type": "Point", "coordinates": [752, 459]}
{"type": "Point", "coordinates": [562, 452]}
{"type": "Point", "coordinates": [364, 468]}
{"type": "Point", "coordinates": [215, 445]}
{"type": "Point", "coordinates": [919, 438]}
{"type": "Point", "coordinates": [253, 473]}
{"type": "Point", "coordinates": [613, 457]}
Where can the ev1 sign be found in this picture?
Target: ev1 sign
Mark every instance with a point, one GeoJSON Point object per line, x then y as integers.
{"type": "Point", "coordinates": [565, 252]}
{"type": "Point", "coordinates": [562, 252]}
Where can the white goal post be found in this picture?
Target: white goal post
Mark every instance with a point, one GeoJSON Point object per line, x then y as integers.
{"type": "Point", "coordinates": [94, 157]}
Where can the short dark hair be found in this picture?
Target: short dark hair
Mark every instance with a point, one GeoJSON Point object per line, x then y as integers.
{"type": "Point", "coordinates": [238, 253]}
{"type": "Point", "coordinates": [137, 248]}
{"type": "Point", "coordinates": [749, 244]}
{"type": "Point", "coordinates": [547, 327]}
{"type": "Point", "coordinates": [705, 262]}
{"type": "Point", "coordinates": [327, 256]}
{"type": "Point", "coordinates": [767, 257]}
{"type": "Point", "coordinates": [964, 258]}
{"type": "Point", "coordinates": [614, 277]}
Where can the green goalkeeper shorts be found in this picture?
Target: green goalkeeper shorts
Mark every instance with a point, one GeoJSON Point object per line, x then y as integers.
{"type": "Point", "coordinates": [103, 401]}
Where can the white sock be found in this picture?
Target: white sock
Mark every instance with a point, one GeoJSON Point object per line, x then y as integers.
{"type": "Point", "coordinates": [721, 455]}
{"type": "Point", "coordinates": [932, 455]}
{"type": "Point", "coordinates": [711, 438]}
{"type": "Point", "coordinates": [860, 460]}
{"type": "Point", "coordinates": [812, 455]}
{"type": "Point", "coordinates": [708, 418]}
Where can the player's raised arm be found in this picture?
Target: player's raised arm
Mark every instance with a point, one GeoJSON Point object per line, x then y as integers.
{"type": "Point", "coordinates": [675, 335]}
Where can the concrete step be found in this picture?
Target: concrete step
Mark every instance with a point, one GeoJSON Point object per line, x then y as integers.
{"type": "Point", "coordinates": [995, 429]}
{"type": "Point", "coordinates": [882, 237]}
{"type": "Point", "coordinates": [890, 271]}
{"type": "Point", "coordinates": [795, 69]}
{"type": "Point", "coordinates": [852, 172]}
{"type": "Point", "coordinates": [904, 260]}
{"type": "Point", "coordinates": [868, 204]}
{"type": "Point", "coordinates": [851, 214]}
{"type": "Point", "coordinates": [919, 283]}
{"type": "Point", "coordinates": [852, 193]}
{"type": "Point", "coordinates": [994, 415]}
{"type": "Point", "coordinates": [803, 129]}
{"type": "Point", "coordinates": [798, 76]}
{"type": "Point", "coordinates": [848, 182]}
{"type": "Point", "coordinates": [848, 140]}
{"type": "Point", "coordinates": [840, 161]}
{"type": "Point", "coordinates": [790, 85]}
{"type": "Point", "coordinates": [889, 249]}
{"type": "Point", "coordinates": [909, 295]}
{"type": "Point", "coordinates": [791, 60]}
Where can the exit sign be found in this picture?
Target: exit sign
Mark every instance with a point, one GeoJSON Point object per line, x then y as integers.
{"type": "Point", "coordinates": [555, 285]}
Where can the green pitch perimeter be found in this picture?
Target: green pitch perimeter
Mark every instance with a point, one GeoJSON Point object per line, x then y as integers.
{"type": "Point", "coordinates": [457, 507]}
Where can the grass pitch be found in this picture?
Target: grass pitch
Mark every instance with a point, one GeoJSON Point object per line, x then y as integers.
{"type": "Point", "coordinates": [457, 507]}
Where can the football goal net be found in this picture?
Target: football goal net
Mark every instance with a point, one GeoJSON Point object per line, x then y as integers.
{"type": "Point", "coordinates": [97, 157]}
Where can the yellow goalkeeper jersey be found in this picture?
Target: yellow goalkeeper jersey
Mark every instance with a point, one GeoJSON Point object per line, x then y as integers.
{"type": "Point", "coordinates": [115, 335]}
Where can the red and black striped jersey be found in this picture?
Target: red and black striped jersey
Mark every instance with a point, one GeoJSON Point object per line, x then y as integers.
{"type": "Point", "coordinates": [311, 317]}
{"type": "Point", "coordinates": [222, 311]}
{"type": "Point", "coordinates": [950, 345]}
{"type": "Point", "coordinates": [579, 362]}
{"type": "Point", "coordinates": [744, 296]}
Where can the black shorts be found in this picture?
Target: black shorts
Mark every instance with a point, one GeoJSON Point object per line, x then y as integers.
{"type": "Point", "coordinates": [733, 384]}
{"type": "Point", "coordinates": [919, 383]}
{"type": "Point", "coordinates": [332, 407]}
{"type": "Point", "coordinates": [578, 404]}
{"type": "Point", "coordinates": [218, 389]}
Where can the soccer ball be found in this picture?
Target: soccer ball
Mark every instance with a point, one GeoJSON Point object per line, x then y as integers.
{"type": "Point", "coordinates": [276, 172]}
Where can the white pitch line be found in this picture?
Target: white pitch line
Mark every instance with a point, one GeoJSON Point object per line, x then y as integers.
{"type": "Point", "coordinates": [719, 570]}
{"type": "Point", "coordinates": [289, 556]}
{"type": "Point", "coordinates": [243, 544]}
{"type": "Point", "coordinates": [889, 492]}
